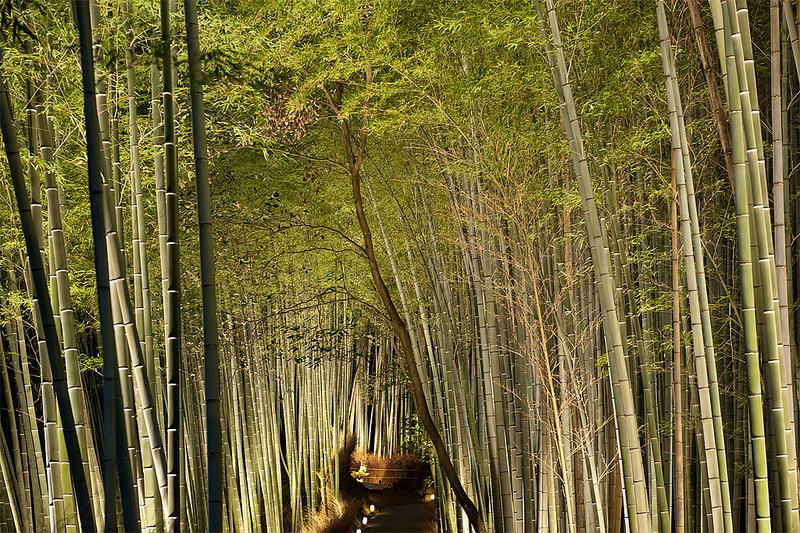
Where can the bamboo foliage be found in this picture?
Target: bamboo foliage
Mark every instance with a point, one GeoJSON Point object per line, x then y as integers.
{"type": "Point", "coordinates": [578, 374]}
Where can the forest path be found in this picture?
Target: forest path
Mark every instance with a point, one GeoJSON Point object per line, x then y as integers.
{"type": "Point", "coordinates": [400, 512]}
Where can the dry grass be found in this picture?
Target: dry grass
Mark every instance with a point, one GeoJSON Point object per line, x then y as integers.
{"type": "Point", "coordinates": [340, 515]}
{"type": "Point", "coordinates": [401, 470]}
{"type": "Point", "coordinates": [319, 522]}
{"type": "Point", "coordinates": [344, 511]}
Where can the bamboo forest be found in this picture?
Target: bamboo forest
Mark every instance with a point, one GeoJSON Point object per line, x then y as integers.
{"type": "Point", "coordinates": [399, 265]}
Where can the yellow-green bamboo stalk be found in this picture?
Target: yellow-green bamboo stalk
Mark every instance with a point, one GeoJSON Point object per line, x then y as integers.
{"type": "Point", "coordinates": [635, 488]}
{"type": "Point", "coordinates": [50, 333]}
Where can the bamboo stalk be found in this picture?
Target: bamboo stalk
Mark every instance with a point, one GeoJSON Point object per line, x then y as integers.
{"type": "Point", "coordinates": [40, 285]}
{"type": "Point", "coordinates": [635, 488]}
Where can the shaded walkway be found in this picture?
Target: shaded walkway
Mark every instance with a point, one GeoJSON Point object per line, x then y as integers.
{"type": "Point", "coordinates": [398, 512]}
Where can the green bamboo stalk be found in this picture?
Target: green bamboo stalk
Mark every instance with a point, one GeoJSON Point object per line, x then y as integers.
{"type": "Point", "coordinates": [468, 410]}
{"type": "Point", "coordinates": [756, 421]}
{"type": "Point", "coordinates": [157, 118]}
{"type": "Point", "coordinates": [151, 514]}
{"type": "Point", "coordinates": [17, 486]}
{"type": "Point", "coordinates": [40, 284]}
{"type": "Point", "coordinates": [211, 352]}
{"type": "Point", "coordinates": [60, 285]}
{"type": "Point", "coordinates": [171, 281]}
{"type": "Point", "coordinates": [791, 25]}
{"type": "Point", "coordinates": [487, 315]}
{"type": "Point", "coordinates": [758, 187]}
{"type": "Point", "coordinates": [788, 136]}
{"type": "Point", "coordinates": [58, 492]}
{"type": "Point", "coordinates": [679, 509]}
{"type": "Point", "coordinates": [661, 509]}
{"type": "Point", "coordinates": [739, 51]}
{"type": "Point", "coordinates": [141, 275]}
{"type": "Point", "coordinates": [127, 434]}
{"type": "Point", "coordinates": [237, 457]}
{"type": "Point", "coordinates": [698, 300]}
{"type": "Point", "coordinates": [113, 299]}
{"type": "Point", "coordinates": [10, 481]}
{"type": "Point", "coordinates": [55, 483]}
{"type": "Point", "coordinates": [124, 321]}
{"type": "Point", "coordinates": [34, 459]}
{"type": "Point", "coordinates": [779, 175]}
{"type": "Point", "coordinates": [116, 182]}
{"type": "Point", "coordinates": [635, 488]}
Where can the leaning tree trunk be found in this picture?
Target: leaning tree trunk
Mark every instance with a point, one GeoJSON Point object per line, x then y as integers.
{"type": "Point", "coordinates": [355, 158]}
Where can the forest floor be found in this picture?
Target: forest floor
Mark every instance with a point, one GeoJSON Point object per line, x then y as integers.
{"type": "Point", "coordinates": [394, 486]}
{"type": "Point", "coordinates": [400, 512]}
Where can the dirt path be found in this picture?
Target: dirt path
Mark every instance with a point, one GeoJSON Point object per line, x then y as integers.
{"type": "Point", "coordinates": [396, 512]}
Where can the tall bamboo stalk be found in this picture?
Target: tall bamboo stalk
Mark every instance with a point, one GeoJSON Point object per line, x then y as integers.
{"type": "Point", "coordinates": [171, 279]}
{"type": "Point", "coordinates": [40, 288]}
{"type": "Point", "coordinates": [211, 353]}
{"type": "Point", "coordinates": [635, 489]}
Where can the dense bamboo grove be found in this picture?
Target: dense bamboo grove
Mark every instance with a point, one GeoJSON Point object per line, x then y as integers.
{"type": "Point", "coordinates": [548, 245]}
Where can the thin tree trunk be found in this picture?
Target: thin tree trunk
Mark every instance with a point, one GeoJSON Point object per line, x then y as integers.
{"type": "Point", "coordinates": [355, 159]}
{"type": "Point", "coordinates": [713, 87]}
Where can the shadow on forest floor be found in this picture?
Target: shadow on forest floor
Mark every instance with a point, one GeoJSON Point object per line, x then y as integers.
{"type": "Point", "coordinates": [394, 487]}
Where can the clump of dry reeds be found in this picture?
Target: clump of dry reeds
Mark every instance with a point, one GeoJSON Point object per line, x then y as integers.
{"type": "Point", "coordinates": [342, 511]}
{"type": "Point", "coordinates": [325, 518]}
{"type": "Point", "coordinates": [404, 471]}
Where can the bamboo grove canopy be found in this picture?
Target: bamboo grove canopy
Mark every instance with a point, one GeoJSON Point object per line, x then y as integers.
{"type": "Point", "coordinates": [549, 246]}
